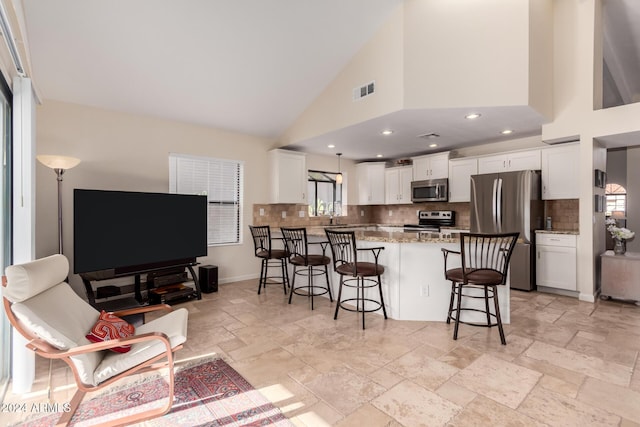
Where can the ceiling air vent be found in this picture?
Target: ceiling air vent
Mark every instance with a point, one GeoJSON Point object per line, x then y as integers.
{"type": "Point", "coordinates": [429, 135]}
{"type": "Point", "coordinates": [365, 90]}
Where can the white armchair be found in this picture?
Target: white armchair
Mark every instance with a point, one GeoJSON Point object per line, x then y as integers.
{"type": "Point", "coordinates": [55, 320]}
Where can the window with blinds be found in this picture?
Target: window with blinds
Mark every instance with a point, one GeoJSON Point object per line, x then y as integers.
{"type": "Point", "coordinates": [221, 180]}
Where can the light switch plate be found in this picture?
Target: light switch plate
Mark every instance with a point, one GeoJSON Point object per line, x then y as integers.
{"type": "Point", "coordinates": [301, 214]}
{"type": "Point", "coordinates": [390, 213]}
{"type": "Point", "coordinates": [284, 214]}
{"type": "Point", "coordinates": [261, 211]}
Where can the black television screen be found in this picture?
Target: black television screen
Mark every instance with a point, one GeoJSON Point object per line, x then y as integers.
{"type": "Point", "coordinates": [129, 231]}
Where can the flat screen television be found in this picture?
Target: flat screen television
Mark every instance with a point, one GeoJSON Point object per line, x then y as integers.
{"type": "Point", "coordinates": [129, 232]}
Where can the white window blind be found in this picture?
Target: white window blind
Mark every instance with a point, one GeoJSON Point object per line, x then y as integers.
{"type": "Point", "coordinates": [221, 180]}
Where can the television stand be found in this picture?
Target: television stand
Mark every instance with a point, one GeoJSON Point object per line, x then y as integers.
{"type": "Point", "coordinates": [161, 275]}
{"type": "Point", "coordinates": [171, 294]}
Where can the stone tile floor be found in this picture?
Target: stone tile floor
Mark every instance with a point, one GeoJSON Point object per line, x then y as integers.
{"type": "Point", "coordinates": [566, 362]}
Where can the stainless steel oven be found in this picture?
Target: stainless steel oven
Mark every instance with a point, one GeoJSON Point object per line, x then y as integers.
{"type": "Point", "coordinates": [433, 190]}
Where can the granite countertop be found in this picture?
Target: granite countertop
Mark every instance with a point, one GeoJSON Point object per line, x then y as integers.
{"type": "Point", "coordinates": [373, 233]}
{"type": "Point", "coordinates": [389, 236]}
{"type": "Point", "coordinates": [572, 232]}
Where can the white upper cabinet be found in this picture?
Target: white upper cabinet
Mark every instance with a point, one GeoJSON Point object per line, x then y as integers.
{"type": "Point", "coordinates": [460, 171]}
{"type": "Point", "coordinates": [398, 185]}
{"type": "Point", "coordinates": [507, 162]}
{"type": "Point", "coordinates": [371, 183]}
{"type": "Point", "coordinates": [288, 171]}
{"type": "Point", "coordinates": [560, 167]}
{"type": "Point", "coordinates": [433, 166]}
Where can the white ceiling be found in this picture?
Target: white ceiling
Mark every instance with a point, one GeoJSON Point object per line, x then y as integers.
{"type": "Point", "coordinates": [250, 66]}
{"type": "Point", "coordinates": [364, 141]}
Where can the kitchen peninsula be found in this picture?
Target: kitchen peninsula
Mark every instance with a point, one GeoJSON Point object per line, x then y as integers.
{"type": "Point", "coordinates": [414, 286]}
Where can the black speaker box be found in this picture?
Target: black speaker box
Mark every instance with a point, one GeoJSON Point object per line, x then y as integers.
{"type": "Point", "coordinates": [208, 277]}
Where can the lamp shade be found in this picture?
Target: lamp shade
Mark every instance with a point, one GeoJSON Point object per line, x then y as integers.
{"type": "Point", "coordinates": [58, 162]}
{"type": "Point", "coordinates": [618, 215]}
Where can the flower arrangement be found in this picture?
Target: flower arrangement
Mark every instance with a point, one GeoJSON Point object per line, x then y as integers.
{"type": "Point", "coordinates": [620, 236]}
{"type": "Point", "coordinates": [618, 233]}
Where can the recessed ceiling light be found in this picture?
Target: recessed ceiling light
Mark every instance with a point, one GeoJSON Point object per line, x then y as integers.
{"type": "Point", "coordinates": [378, 155]}
{"type": "Point", "coordinates": [472, 116]}
{"type": "Point", "coordinates": [387, 132]}
{"type": "Point", "coordinates": [433, 145]}
{"type": "Point", "coordinates": [506, 131]}
{"type": "Point", "coordinates": [331, 146]}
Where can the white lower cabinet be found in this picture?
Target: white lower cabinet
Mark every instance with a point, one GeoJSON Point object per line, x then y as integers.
{"type": "Point", "coordinates": [556, 261]}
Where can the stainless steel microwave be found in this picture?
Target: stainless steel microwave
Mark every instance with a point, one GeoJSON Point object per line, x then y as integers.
{"type": "Point", "coordinates": [432, 190]}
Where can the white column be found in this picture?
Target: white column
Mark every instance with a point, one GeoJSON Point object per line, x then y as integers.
{"type": "Point", "coordinates": [24, 212]}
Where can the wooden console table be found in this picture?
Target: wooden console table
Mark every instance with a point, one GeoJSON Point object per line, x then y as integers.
{"type": "Point", "coordinates": [620, 276]}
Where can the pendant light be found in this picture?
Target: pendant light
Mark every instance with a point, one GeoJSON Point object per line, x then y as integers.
{"type": "Point", "coordinates": [339, 176]}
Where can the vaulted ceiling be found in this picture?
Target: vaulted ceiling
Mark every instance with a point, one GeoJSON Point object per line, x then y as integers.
{"type": "Point", "coordinates": [243, 65]}
{"type": "Point", "coordinates": [254, 66]}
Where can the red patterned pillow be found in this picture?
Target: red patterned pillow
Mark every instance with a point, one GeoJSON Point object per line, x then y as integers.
{"type": "Point", "coordinates": [109, 327]}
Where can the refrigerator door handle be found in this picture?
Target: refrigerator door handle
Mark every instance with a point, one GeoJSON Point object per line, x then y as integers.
{"type": "Point", "coordinates": [494, 198]}
{"type": "Point", "coordinates": [499, 206]}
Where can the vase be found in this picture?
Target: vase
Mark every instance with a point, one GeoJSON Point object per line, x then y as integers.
{"type": "Point", "coordinates": [619, 246]}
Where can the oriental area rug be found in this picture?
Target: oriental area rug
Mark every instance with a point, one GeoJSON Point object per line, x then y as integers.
{"type": "Point", "coordinates": [207, 394]}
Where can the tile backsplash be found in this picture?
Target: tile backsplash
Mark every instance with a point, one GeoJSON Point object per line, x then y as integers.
{"type": "Point", "coordinates": [279, 215]}
{"type": "Point", "coordinates": [288, 215]}
{"type": "Point", "coordinates": [564, 214]}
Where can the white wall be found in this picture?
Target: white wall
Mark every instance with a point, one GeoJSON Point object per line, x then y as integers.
{"type": "Point", "coordinates": [128, 152]}
{"type": "Point", "coordinates": [633, 197]}
{"type": "Point", "coordinates": [617, 167]}
{"type": "Point", "coordinates": [381, 59]}
{"type": "Point", "coordinates": [464, 53]}
{"type": "Point", "coordinates": [577, 63]}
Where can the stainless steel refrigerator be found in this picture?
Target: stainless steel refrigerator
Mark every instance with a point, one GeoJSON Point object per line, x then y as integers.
{"type": "Point", "coordinates": [505, 203]}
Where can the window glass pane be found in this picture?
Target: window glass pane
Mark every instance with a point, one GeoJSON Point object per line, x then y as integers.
{"type": "Point", "coordinates": [616, 199]}
{"type": "Point", "coordinates": [221, 180]}
{"type": "Point", "coordinates": [5, 230]}
{"type": "Point", "coordinates": [324, 195]}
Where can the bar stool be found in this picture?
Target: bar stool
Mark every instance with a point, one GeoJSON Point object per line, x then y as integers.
{"type": "Point", "coordinates": [485, 262]}
{"type": "Point", "coordinates": [270, 257]}
{"type": "Point", "coordinates": [365, 274]}
{"type": "Point", "coordinates": [306, 264]}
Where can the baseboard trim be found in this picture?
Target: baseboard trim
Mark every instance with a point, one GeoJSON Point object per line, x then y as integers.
{"type": "Point", "coordinates": [557, 291]}
{"type": "Point", "coordinates": [587, 297]}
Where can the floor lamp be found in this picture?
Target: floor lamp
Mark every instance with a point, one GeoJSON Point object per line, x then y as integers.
{"type": "Point", "coordinates": [59, 164]}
